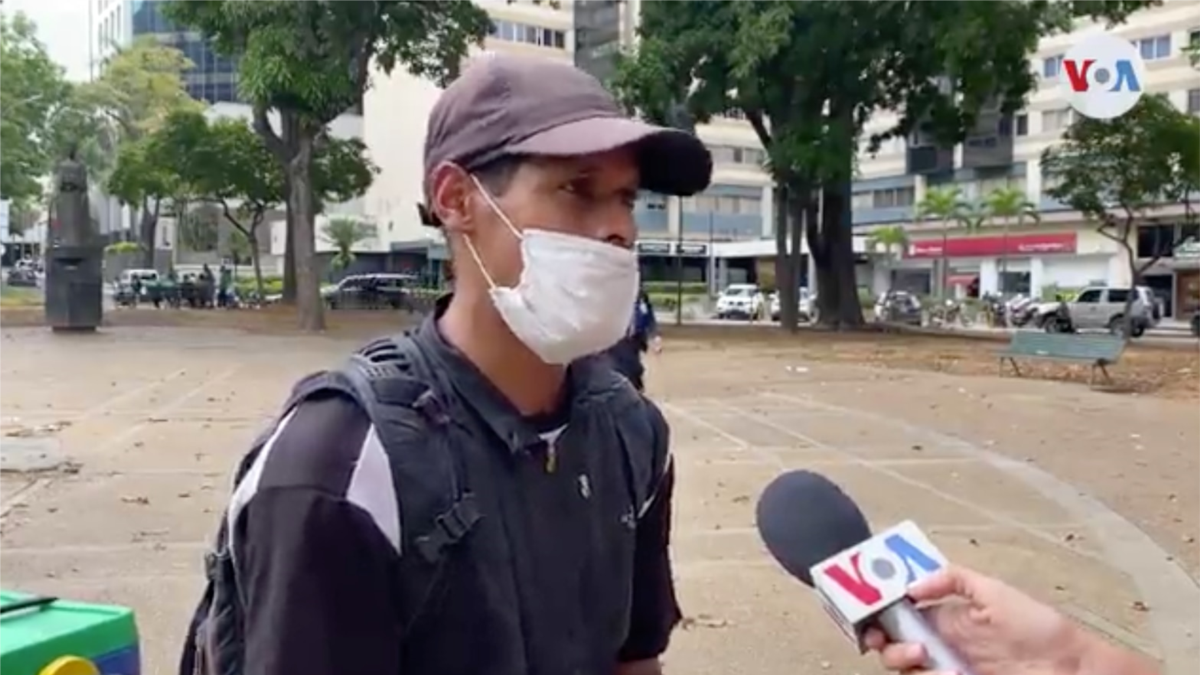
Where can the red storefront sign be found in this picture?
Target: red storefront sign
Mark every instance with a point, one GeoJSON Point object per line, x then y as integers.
{"type": "Point", "coordinates": [984, 247]}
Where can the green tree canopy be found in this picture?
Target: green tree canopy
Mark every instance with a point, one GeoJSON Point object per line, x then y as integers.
{"type": "Point", "coordinates": [140, 86]}
{"type": "Point", "coordinates": [342, 171]}
{"type": "Point", "coordinates": [146, 175]}
{"type": "Point", "coordinates": [808, 75]}
{"type": "Point", "coordinates": [33, 90]}
{"type": "Point", "coordinates": [1116, 172]}
{"type": "Point", "coordinates": [312, 61]}
{"type": "Point", "coordinates": [224, 162]}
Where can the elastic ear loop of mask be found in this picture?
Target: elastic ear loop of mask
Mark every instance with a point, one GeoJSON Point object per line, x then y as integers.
{"type": "Point", "coordinates": [487, 196]}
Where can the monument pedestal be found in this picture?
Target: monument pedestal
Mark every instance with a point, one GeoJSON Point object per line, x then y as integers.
{"type": "Point", "coordinates": [74, 257]}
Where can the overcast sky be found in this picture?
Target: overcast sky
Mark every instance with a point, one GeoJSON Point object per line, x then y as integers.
{"type": "Point", "coordinates": [63, 27]}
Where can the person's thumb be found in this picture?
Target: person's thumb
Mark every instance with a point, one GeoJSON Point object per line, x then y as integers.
{"type": "Point", "coordinates": [950, 582]}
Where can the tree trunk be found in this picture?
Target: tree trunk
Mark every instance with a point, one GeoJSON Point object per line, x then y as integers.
{"type": "Point", "coordinates": [1004, 259]}
{"type": "Point", "coordinates": [147, 231]}
{"type": "Point", "coordinates": [1007, 320]}
{"type": "Point", "coordinates": [839, 246]}
{"type": "Point", "coordinates": [944, 262]}
{"type": "Point", "coordinates": [256, 261]}
{"type": "Point", "coordinates": [785, 281]}
{"type": "Point", "coordinates": [289, 248]}
{"type": "Point", "coordinates": [795, 260]}
{"type": "Point", "coordinates": [300, 204]}
{"type": "Point", "coordinates": [1134, 278]}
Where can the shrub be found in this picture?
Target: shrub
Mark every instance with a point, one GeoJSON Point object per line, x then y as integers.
{"type": "Point", "coordinates": [672, 288]}
{"type": "Point", "coordinates": [123, 247]}
{"type": "Point", "coordinates": [272, 285]}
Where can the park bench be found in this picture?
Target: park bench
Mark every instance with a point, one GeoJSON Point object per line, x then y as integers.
{"type": "Point", "coordinates": [1098, 351]}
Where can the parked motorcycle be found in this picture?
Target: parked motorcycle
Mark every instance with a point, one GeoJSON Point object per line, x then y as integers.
{"type": "Point", "coordinates": [947, 313]}
{"type": "Point", "coordinates": [1021, 310]}
{"type": "Point", "coordinates": [994, 309]}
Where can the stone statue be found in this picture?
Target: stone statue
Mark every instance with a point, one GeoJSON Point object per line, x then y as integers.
{"type": "Point", "coordinates": [74, 283]}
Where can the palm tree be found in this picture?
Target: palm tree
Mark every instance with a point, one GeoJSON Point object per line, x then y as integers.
{"type": "Point", "coordinates": [890, 238]}
{"type": "Point", "coordinates": [1009, 204]}
{"type": "Point", "coordinates": [944, 204]}
{"type": "Point", "coordinates": [972, 216]}
{"type": "Point", "coordinates": [345, 234]}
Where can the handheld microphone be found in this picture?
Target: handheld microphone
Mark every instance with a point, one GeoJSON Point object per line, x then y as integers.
{"type": "Point", "coordinates": [819, 535]}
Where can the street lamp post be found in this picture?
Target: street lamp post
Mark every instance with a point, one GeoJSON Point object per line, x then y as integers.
{"type": "Point", "coordinates": [679, 263]}
{"type": "Point", "coordinates": [712, 260]}
{"type": "Point", "coordinates": [679, 118]}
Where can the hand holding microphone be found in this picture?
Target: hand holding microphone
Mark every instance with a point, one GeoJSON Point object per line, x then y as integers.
{"type": "Point", "coordinates": [996, 628]}
{"type": "Point", "coordinates": [1001, 631]}
{"type": "Point", "coordinates": [981, 625]}
{"type": "Point", "coordinates": [821, 537]}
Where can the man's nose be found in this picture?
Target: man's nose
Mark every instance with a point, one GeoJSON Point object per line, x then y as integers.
{"type": "Point", "coordinates": [618, 227]}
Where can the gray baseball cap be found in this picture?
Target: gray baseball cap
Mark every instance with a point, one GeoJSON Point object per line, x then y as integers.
{"type": "Point", "coordinates": [506, 105]}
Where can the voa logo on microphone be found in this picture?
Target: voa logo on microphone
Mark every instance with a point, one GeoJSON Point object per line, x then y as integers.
{"type": "Point", "coordinates": [1102, 76]}
{"type": "Point", "coordinates": [861, 581]}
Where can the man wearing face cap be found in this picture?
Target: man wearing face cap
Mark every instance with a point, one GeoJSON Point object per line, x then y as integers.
{"type": "Point", "coordinates": [482, 495]}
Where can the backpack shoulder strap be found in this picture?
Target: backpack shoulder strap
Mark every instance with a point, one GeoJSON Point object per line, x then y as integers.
{"type": "Point", "coordinates": [437, 506]}
{"type": "Point", "coordinates": [643, 431]}
{"type": "Point", "coordinates": [392, 375]}
{"type": "Point", "coordinates": [393, 382]}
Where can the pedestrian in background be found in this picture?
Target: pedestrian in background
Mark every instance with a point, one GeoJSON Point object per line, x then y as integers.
{"type": "Point", "coordinates": [643, 336]}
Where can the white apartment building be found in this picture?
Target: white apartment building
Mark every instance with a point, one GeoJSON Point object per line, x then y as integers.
{"type": "Point", "coordinates": [397, 107]}
{"type": "Point", "coordinates": [1062, 250]}
{"type": "Point", "coordinates": [396, 114]}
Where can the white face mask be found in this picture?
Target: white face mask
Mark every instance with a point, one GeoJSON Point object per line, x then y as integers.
{"type": "Point", "coordinates": [574, 296]}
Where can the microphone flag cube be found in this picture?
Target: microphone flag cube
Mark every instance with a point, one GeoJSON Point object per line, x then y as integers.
{"type": "Point", "coordinates": [857, 584]}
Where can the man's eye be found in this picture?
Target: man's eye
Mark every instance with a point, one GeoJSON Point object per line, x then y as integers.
{"type": "Point", "coordinates": [577, 188]}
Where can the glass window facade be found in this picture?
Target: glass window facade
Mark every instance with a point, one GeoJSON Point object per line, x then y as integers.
{"type": "Point", "coordinates": [597, 36]}
{"type": "Point", "coordinates": [213, 78]}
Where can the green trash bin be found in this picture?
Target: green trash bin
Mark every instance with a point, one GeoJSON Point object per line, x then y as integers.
{"type": "Point", "coordinates": [46, 636]}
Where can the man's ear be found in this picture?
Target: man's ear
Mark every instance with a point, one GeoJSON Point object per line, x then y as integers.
{"type": "Point", "coordinates": [450, 197]}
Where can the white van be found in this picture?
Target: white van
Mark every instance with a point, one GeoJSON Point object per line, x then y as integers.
{"type": "Point", "coordinates": [145, 276]}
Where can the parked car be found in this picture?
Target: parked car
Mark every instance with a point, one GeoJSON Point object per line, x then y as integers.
{"type": "Point", "coordinates": [22, 277]}
{"type": "Point", "coordinates": [805, 308]}
{"type": "Point", "coordinates": [145, 277]}
{"type": "Point", "coordinates": [1102, 308]}
{"type": "Point", "coordinates": [740, 301]}
{"type": "Point", "coordinates": [899, 307]}
{"type": "Point", "coordinates": [371, 291]}
{"type": "Point", "coordinates": [123, 293]}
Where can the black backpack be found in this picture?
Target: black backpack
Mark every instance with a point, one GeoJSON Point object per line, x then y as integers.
{"type": "Point", "coordinates": [409, 402]}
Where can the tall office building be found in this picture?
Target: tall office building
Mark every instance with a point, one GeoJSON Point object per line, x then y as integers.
{"type": "Point", "coordinates": [597, 25]}
{"type": "Point", "coordinates": [213, 78]}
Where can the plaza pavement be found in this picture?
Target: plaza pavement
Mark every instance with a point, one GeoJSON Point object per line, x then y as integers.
{"type": "Point", "coordinates": [136, 431]}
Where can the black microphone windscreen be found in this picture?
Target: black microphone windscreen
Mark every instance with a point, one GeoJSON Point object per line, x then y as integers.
{"type": "Point", "coordinates": [804, 518]}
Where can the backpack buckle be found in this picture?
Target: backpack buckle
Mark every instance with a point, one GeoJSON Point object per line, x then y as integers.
{"type": "Point", "coordinates": [431, 408]}
{"type": "Point", "coordinates": [210, 565]}
{"type": "Point", "coordinates": [450, 528]}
